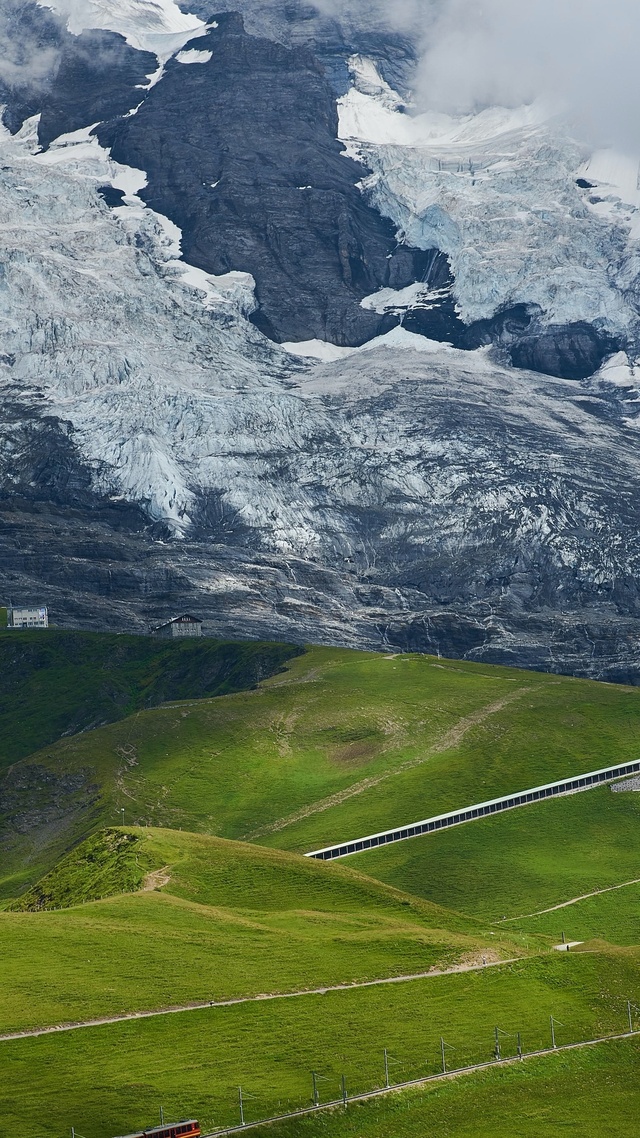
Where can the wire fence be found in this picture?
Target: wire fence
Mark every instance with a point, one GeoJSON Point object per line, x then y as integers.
{"type": "Point", "coordinates": [340, 1079]}
{"type": "Point", "coordinates": [499, 1058]}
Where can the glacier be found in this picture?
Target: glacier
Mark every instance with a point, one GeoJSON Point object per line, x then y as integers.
{"type": "Point", "coordinates": [497, 192]}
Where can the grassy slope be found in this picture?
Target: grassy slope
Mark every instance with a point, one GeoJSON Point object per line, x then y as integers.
{"type": "Point", "coordinates": [552, 726]}
{"type": "Point", "coordinates": [111, 1079]}
{"type": "Point", "coordinates": [236, 766]}
{"type": "Point", "coordinates": [111, 861]}
{"type": "Point", "coordinates": [55, 683]}
{"type": "Point", "coordinates": [232, 920]}
{"type": "Point", "coordinates": [614, 917]}
{"type": "Point", "coordinates": [241, 919]}
{"type": "Point", "coordinates": [593, 1093]}
{"type": "Point", "coordinates": [524, 860]}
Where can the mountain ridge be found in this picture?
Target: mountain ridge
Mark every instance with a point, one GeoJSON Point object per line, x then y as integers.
{"type": "Point", "coordinates": [162, 453]}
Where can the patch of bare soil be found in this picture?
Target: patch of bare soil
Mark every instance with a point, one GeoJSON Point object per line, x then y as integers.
{"type": "Point", "coordinates": [156, 879]}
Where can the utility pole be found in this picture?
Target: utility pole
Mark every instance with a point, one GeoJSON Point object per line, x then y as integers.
{"type": "Point", "coordinates": [344, 1090]}
{"type": "Point", "coordinates": [563, 939]}
{"type": "Point", "coordinates": [161, 1116]}
{"type": "Point", "coordinates": [386, 1068]}
{"type": "Point", "coordinates": [316, 1097]}
{"type": "Point", "coordinates": [444, 1058]}
{"type": "Point", "coordinates": [122, 812]}
{"type": "Point", "coordinates": [497, 1042]}
{"type": "Point", "coordinates": [241, 1106]}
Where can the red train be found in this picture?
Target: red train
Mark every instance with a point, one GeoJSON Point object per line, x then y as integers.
{"type": "Point", "coordinates": [189, 1129]}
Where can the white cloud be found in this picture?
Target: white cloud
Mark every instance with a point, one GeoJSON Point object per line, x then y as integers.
{"type": "Point", "coordinates": [581, 54]}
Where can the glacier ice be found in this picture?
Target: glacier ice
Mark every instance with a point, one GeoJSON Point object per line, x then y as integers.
{"type": "Point", "coordinates": [123, 339]}
{"type": "Point", "coordinates": [497, 191]}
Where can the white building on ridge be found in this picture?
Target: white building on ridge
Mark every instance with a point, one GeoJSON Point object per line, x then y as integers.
{"type": "Point", "coordinates": [28, 617]}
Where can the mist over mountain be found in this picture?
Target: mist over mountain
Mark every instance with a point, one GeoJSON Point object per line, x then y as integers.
{"type": "Point", "coordinates": [323, 320]}
{"type": "Point", "coordinates": [579, 55]}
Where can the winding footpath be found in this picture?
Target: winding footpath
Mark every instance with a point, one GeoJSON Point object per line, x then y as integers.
{"type": "Point", "coordinates": [573, 901]}
{"type": "Point", "coordinates": [125, 1016]}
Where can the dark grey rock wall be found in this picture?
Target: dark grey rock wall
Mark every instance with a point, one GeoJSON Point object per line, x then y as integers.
{"type": "Point", "coordinates": [242, 154]}
{"type": "Point", "coordinates": [71, 81]}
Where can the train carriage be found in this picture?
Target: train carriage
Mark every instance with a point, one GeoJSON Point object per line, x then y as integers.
{"type": "Point", "coordinates": [187, 1129]}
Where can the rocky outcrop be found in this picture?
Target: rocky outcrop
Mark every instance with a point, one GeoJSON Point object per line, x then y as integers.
{"type": "Point", "coordinates": [241, 152]}
{"type": "Point", "coordinates": [98, 77]}
{"type": "Point", "coordinates": [572, 351]}
{"type": "Point", "coordinates": [568, 351]}
{"type": "Point", "coordinates": [72, 81]}
{"type": "Point", "coordinates": [375, 29]}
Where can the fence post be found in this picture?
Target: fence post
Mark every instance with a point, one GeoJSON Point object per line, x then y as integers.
{"type": "Point", "coordinates": [344, 1090]}
{"type": "Point", "coordinates": [444, 1058]}
{"type": "Point", "coordinates": [497, 1033]}
{"type": "Point", "coordinates": [386, 1068]}
{"type": "Point", "coordinates": [553, 1032]}
{"type": "Point", "coordinates": [241, 1106]}
{"type": "Point", "coordinates": [519, 1046]}
{"type": "Point", "coordinates": [629, 1015]}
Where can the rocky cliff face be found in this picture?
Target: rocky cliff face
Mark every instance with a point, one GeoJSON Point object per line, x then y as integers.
{"type": "Point", "coordinates": [412, 489]}
{"type": "Point", "coordinates": [271, 192]}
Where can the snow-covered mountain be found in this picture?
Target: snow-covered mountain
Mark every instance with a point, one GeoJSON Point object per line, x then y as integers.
{"type": "Point", "coordinates": [277, 347]}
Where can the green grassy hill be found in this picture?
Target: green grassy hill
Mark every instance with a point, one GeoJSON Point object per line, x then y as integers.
{"type": "Point", "coordinates": [613, 916]}
{"type": "Point", "coordinates": [203, 896]}
{"type": "Point", "coordinates": [55, 683]}
{"type": "Point", "coordinates": [592, 1093]}
{"type": "Point", "coordinates": [212, 920]}
{"type": "Point", "coordinates": [344, 743]}
{"type": "Point", "coordinates": [524, 860]}
{"type": "Point", "coordinates": [111, 861]}
{"type": "Point", "coordinates": [112, 1079]}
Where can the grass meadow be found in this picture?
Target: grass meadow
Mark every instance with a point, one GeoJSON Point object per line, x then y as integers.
{"type": "Point", "coordinates": [522, 860]}
{"type": "Point", "coordinates": [209, 899]}
{"type": "Point", "coordinates": [232, 920]}
{"type": "Point", "coordinates": [592, 1093]}
{"type": "Point", "coordinates": [343, 743]}
{"type": "Point", "coordinates": [613, 916]}
{"type": "Point", "coordinates": [109, 1080]}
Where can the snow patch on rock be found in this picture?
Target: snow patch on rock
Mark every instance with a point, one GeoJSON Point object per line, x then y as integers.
{"type": "Point", "coordinates": [194, 56]}
{"type": "Point", "coordinates": [398, 339]}
{"type": "Point", "coordinates": [148, 25]}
